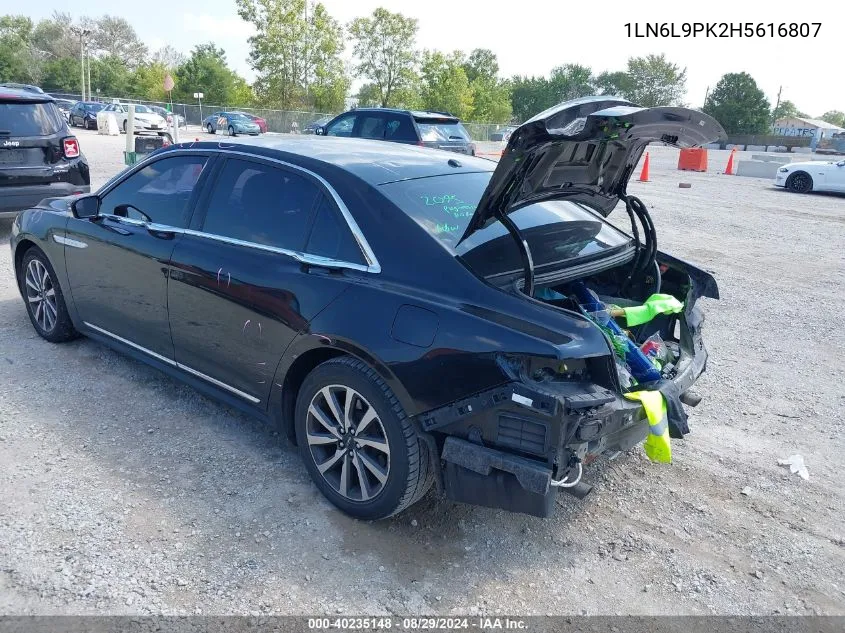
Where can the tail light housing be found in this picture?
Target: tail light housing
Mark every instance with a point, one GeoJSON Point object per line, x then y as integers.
{"type": "Point", "coordinates": [70, 146]}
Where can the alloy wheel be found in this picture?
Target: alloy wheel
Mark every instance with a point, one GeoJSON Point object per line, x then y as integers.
{"type": "Point", "coordinates": [348, 442]}
{"type": "Point", "coordinates": [41, 295]}
{"type": "Point", "coordinates": [800, 182]}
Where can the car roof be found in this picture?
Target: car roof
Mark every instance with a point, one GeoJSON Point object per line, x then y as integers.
{"type": "Point", "coordinates": [422, 114]}
{"type": "Point", "coordinates": [24, 96]}
{"type": "Point", "coordinates": [375, 162]}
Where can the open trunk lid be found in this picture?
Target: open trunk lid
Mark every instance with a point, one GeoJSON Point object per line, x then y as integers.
{"type": "Point", "coordinates": [584, 151]}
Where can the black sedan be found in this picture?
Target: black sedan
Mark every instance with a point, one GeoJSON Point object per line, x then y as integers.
{"type": "Point", "coordinates": [406, 316]}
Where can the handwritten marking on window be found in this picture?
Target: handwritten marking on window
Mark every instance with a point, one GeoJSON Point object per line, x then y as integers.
{"type": "Point", "coordinates": [445, 228]}
{"type": "Point", "coordinates": [451, 204]}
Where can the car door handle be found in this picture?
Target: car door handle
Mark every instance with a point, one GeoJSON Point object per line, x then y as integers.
{"type": "Point", "coordinates": [162, 230]}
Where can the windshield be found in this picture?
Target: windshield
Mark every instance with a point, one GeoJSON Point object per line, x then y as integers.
{"type": "Point", "coordinates": [239, 117]}
{"type": "Point", "coordinates": [94, 107]}
{"type": "Point", "coordinates": [29, 119]}
{"type": "Point", "coordinates": [442, 131]}
{"type": "Point", "coordinates": [142, 109]}
{"type": "Point", "coordinates": [555, 230]}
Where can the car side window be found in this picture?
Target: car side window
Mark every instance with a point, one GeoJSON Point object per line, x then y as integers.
{"type": "Point", "coordinates": [159, 193]}
{"type": "Point", "coordinates": [342, 126]}
{"type": "Point", "coordinates": [260, 203]}
{"type": "Point", "coordinates": [399, 128]}
{"type": "Point", "coordinates": [371, 126]}
{"type": "Point", "coordinates": [330, 236]}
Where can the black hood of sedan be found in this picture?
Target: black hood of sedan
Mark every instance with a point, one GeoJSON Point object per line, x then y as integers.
{"type": "Point", "coordinates": [584, 151]}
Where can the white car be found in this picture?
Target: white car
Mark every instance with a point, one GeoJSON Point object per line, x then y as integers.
{"type": "Point", "coordinates": [146, 119]}
{"type": "Point", "coordinates": [812, 175]}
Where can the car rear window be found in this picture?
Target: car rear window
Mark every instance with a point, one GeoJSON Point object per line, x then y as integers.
{"type": "Point", "coordinates": [29, 119]}
{"type": "Point", "coordinates": [556, 230]}
{"type": "Point", "coordinates": [442, 131]}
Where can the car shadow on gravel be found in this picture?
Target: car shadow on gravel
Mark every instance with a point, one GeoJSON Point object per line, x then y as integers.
{"type": "Point", "coordinates": [180, 461]}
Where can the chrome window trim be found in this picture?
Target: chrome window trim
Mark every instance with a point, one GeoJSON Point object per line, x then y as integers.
{"type": "Point", "coordinates": [173, 363]}
{"type": "Point", "coordinates": [372, 265]}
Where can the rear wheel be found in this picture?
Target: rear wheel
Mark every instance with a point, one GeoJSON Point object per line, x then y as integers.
{"type": "Point", "coordinates": [357, 443]}
{"type": "Point", "coordinates": [799, 182]}
{"type": "Point", "coordinates": [45, 302]}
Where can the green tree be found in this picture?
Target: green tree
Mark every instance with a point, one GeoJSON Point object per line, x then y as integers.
{"type": "Point", "coordinates": [444, 84]}
{"type": "Point", "coordinates": [53, 37]}
{"type": "Point", "coordinates": [114, 36]}
{"type": "Point", "coordinates": [491, 96]}
{"type": "Point", "coordinates": [206, 71]}
{"type": "Point", "coordinates": [148, 82]}
{"type": "Point", "coordinates": [617, 84]}
{"type": "Point", "coordinates": [834, 117]}
{"type": "Point", "coordinates": [482, 63]}
{"type": "Point", "coordinates": [739, 105]}
{"type": "Point", "coordinates": [529, 95]}
{"type": "Point", "coordinates": [17, 62]}
{"type": "Point", "coordinates": [654, 81]}
{"type": "Point", "coordinates": [785, 110]}
{"type": "Point", "coordinates": [568, 82]}
{"type": "Point", "coordinates": [296, 52]}
{"type": "Point", "coordinates": [61, 75]}
{"type": "Point", "coordinates": [169, 57]}
{"type": "Point", "coordinates": [109, 76]}
{"type": "Point", "coordinates": [383, 46]}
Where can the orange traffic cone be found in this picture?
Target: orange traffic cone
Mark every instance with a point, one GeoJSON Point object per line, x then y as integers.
{"type": "Point", "coordinates": [644, 172]}
{"type": "Point", "coordinates": [729, 170]}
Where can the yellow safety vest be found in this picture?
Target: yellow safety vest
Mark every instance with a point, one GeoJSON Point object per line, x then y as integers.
{"type": "Point", "coordinates": [657, 445]}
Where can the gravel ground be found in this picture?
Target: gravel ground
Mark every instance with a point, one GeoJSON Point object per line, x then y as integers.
{"type": "Point", "coordinates": [122, 491]}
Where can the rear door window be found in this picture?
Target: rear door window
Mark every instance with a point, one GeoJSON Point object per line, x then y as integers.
{"type": "Point", "coordinates": [370, 126]}
{"type": "Point", "coordinates": [29, 119]}
{"type": "Point", "coordinates": [261, 204]}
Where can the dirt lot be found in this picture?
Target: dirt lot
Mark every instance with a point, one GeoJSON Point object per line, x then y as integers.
{"type": "Point", "coordinates": [122, 491]}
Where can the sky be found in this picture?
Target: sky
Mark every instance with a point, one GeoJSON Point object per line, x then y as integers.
{"type": "Point", "coordinates": [530, 37]}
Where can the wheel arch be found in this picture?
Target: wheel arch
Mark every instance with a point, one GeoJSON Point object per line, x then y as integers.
{"type": "Point", "coordinates": [306, 354]}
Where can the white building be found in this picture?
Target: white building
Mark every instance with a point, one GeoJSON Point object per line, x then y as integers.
{"type": "Point", "coordinates": [798, 126]}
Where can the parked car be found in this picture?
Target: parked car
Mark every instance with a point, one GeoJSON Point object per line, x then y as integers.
{"type": "Point", "coordinates": [164, 114]}
{"type": "Point", "coordinates": [146, 119]}
{"type": "Point", "coordinates": [26, 87]}
{"type": "Point", "coordinates": [503, 134]}
{"type": "Point", "coordinates": [813, 175]}
{"type": "Point", "coordinates": [259, 121]}
{"type": "Point", "coordinates": [380, 302]}
{"type": "Point", "coordinates": [64, 106]}
{"type": "Point", "coordinates": [429, 129]}
{"type": "Point", "coordinates": [232, 123]}
{"type": "Point", "coordinates": [39, 157]}
{"type": "Point", "coordinates": [311, 128]}
{"type": "Point", "coordinates": [84, 114]}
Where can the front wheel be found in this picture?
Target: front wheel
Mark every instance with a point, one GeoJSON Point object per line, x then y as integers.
{"type": "Point", "coordinates": [357, 442]}
{"type": "Point", "coordinates": [45, 302]}
{"type": "Point", "coordinates": [799, 182]}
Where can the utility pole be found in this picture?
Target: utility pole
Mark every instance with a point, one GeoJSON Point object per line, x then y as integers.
{"type": "Point", "coordinates": [88, 51]}
{"type": "Point", "coordinates": [82, 33]}
{"type": "Point", "coordinates": [777, 105]}
{"type": "Point", "coordinates": [706, 94]}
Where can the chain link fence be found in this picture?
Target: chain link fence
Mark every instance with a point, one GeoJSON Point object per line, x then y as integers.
{"type": "Point", "coordinates": [277, 120]}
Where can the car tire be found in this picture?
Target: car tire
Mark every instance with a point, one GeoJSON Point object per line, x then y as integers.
{"type": "Point", "coordinates": [124, 127]}
{"type": "Point", "coordinates": [44, 299]}
{"type": "Point", "coordinates": [231, 131]}
{"type": "Point", "coordinates": [209, 128]}
{"type": "Point", "coordinates": [799, 182]}
{"type": "Point", "coordinates": [369, 481]}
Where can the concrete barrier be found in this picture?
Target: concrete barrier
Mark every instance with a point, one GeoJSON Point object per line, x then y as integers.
{"type": "Point", "coordinates": [768, 158]}
{"type": "Point", "coordinates": [757, 168]}
{"type": "Point", "coordinates": [738, 148]}
{"type": "Point", "coordinates": [713, 146]}
{"type": "Point", "coordinates": [802, 150]}
{"type": "Point", "coordinates": [776, 148]}
{"type": "Point", "coordinates": [755, 148]}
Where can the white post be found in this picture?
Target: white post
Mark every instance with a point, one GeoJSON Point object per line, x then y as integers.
{"type": "Point", "coordinates": [130, 128]}
{"type": "Point", "coordinates": [174, 123]}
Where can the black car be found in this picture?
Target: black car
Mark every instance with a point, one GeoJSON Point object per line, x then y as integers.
{"type": "Point", "coordinates": [26, 87]}
{"type": "Point", "coordinates": [439, 130]}
{"type": "Point", "coordinates": [386, 305]}
{"type": "Point", "coordinates": [39, 158]}
{"type": "Point", "coordinates": [84, 114]}
{"type": "Point", "coordinates": [311, 128]}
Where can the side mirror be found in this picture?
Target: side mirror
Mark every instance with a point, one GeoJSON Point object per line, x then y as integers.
{"type": "Point", "coordinates": [86, 207]}
{"type": "Point", "coordinates": [320, 130]}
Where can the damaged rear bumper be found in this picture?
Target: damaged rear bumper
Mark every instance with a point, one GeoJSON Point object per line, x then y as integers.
{"type": "Point", "coordinates": [506, 448]}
